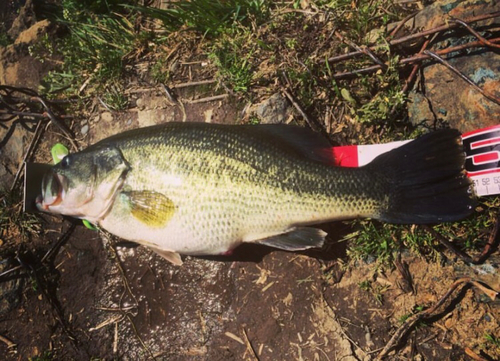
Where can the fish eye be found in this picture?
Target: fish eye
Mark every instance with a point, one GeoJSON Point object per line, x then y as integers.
{"type": "Point", "coordinates": [66, 161]}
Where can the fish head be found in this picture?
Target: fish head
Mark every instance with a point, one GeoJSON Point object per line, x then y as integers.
{"type": "Point", "coordinates": [84, 184]}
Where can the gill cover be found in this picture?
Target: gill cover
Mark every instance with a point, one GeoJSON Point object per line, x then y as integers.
{"type": "Point", "coordinates": [109, 174]}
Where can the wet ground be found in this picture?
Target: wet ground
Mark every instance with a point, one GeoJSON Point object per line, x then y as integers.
{"type": "Point", "coordinates": [105, 299]}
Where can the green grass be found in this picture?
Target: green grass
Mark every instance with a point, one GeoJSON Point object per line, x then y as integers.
{"type": "Point", "coordinates": [5, 40]}
{"type": "Point", "coordinates": [45, 356]}
{"type": "Point", "coordinates": [114, 98]}
{"type": "Point", "coordinates": [15, 225]}
{"type": "Point", "coordinates": [232, 56]}
{"type": "Point", "coordinates": [209, 17]}
{"type": "Point", "coordinates": [99, 43]}
{"type": "Point", "coordinates": [381, 242]}
{"type": "Point", "coordinates": [494, 340]}
{"type": "Point", "coordinates": [376, 290]}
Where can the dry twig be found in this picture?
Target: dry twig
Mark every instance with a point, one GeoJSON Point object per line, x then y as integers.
{"type": "Point", "coordinates": [490, 246]}
{"type": "Point", "coordinates": [10, 345]}
{"type": "Point", "coordinates": [411, 321]}
{"type": "Point", "coordinates": [412, 59]}
{"type": "Point", "coordinates": [364, 50]}
{"type": "Point", "coordinates": [299, 109]}
{"type": "Point", "coordinates": [415, 36]}
{"type": "Point", "coordinates": [208, 99]}
{"type": "Point", "coordinates": [402, 23]}
{"type": "Point", "coordinates": [475, 33]}
{"type": "Point", "coordinates": [250, 348]}
{"type": "Point", "coordinates": [194, 83]}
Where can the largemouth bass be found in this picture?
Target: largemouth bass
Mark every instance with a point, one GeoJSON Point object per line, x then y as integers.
{"type": "Point", "coordinates": [203, 189]}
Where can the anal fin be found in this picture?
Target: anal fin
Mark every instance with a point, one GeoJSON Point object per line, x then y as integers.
{"type": "Point", "coordinates": [296, 239]}
{"type": "Point", "coordinates": [172, 257]}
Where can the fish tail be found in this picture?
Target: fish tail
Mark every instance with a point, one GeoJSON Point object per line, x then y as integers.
{"type": "Point", "coordinates": [425, 180]}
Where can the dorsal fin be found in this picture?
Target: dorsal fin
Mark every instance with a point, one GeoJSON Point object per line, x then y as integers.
{"type": "Point", "coordinates": [303, 141]}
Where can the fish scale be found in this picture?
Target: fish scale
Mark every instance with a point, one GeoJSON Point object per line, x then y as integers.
{"type": "Point", "coordinates": [195, 188]}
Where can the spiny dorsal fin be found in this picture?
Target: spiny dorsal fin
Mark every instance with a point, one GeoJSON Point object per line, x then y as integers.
{"type": "Point", "coordinates": [303, 141]}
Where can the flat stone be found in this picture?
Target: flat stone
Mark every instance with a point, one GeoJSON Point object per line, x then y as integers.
{"type": "Point", "coordinates": [85, 129]}
{"type": "Point", "coordinates": [274, 110]}
{"type": "Point", "coordinates": [446, 97]}
{"type": "Point", "coordinates": [107, 116]}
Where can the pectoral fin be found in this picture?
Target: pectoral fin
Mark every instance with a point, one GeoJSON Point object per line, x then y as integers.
{"type": "Point", "coordinates": [172, 257]}
{"type": "Point", "coordinates": [296, 239]}
{"type": "Point", "coordinates": [151, 208]}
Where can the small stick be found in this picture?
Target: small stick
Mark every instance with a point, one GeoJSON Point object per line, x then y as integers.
{"type": "Point", "coordinates": [115, 319]}
{"type": "Point", "coordinates": [194, 83]}
{"type": "Point", "coordinates": [103, 103]}
{"type": "Point", "coordinates": [412, 75]}
{"type": "Point", "coordinates": [299, 109]}
{"type": "Point", "coordinates": [412, 59]}
{"type": "Point", "coordinates": [473, 355]}
{"type": "Point", "coordinates": [118, 264]}
{"type": "Point", "coordinates": [13, 269]}
{"type": "Point", "coordinates": [462, 255]}
{"type": "Point", "coordinates": [415, 68]}
{"type": "Point", "coordinates": [232, 336]}
{"type": "Point", "coordinates": [443, 28]}
{"type": "Point", "coordinates": [463, 76]}
{"type": "Point", "coordinates": [208, 99]}
{"type": "Point", "coordinates": [489, 247]}
{"type": "Point", "coordinates": [364, 50]}
{"type": "Point", "coordinates": [404, 39]}
{"type": "Point", "coordinates": [59, 124]}
{"type": "Point", "coordinates": [9, 343]}
{"type": "Point", "coordinates": [115, 341]}
{"type": "Point", "coordinates": [475, 33]}
{"type": "Point", "coordinates": [411, 321]}
{"type": "Point", "coordinates": [22, 114]}
{"type": "Point", "coordinates": [402, 23]}
{"type": "Point", "coordinates": [250, 348]}
{"type": "Point", "coordinates": [58, 243]}
{"type": "Point", "coordinates": [170, 97]}
{"type": "Point", "coordinates": [144, 346]}
{"type": "Point", "coordinates": [116, 309]}
{"type": "Point", "coordinates": [492, 243]}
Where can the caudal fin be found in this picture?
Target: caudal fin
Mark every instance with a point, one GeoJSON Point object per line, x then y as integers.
{"type": "Point", "coordinates": [425, 180]}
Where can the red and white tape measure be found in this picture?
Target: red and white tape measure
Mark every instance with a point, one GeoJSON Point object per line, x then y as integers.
{"type": "Point", "coordinates": [482, 163]}
{"type": "Point", "coordinates": [482, 148]}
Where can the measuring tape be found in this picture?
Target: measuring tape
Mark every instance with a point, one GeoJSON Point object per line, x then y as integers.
{"type": "Point", "coordinates": [482, 162]}
{"type": "Point", "coordinates": [482, 157]}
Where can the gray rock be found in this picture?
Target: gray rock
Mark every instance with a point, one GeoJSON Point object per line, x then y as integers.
{"type": "Point", "coordinates": [11, 153]}
{"type": "Point", "coordinates": [85, 129]}
{"type": "Point", "coordinates": [446, 97]}
{"type": "Point", "coordinates": [274, 110]}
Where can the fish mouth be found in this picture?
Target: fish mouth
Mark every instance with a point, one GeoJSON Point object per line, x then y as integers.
{"type": "Point", "coordinates": [53, 186]}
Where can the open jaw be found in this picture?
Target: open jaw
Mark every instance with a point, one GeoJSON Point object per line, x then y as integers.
{"type": "Point", "coordinates": [53, 186]}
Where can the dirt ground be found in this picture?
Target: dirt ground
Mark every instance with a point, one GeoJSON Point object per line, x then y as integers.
{"type": "Point", "coordinates": [96, 297]}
